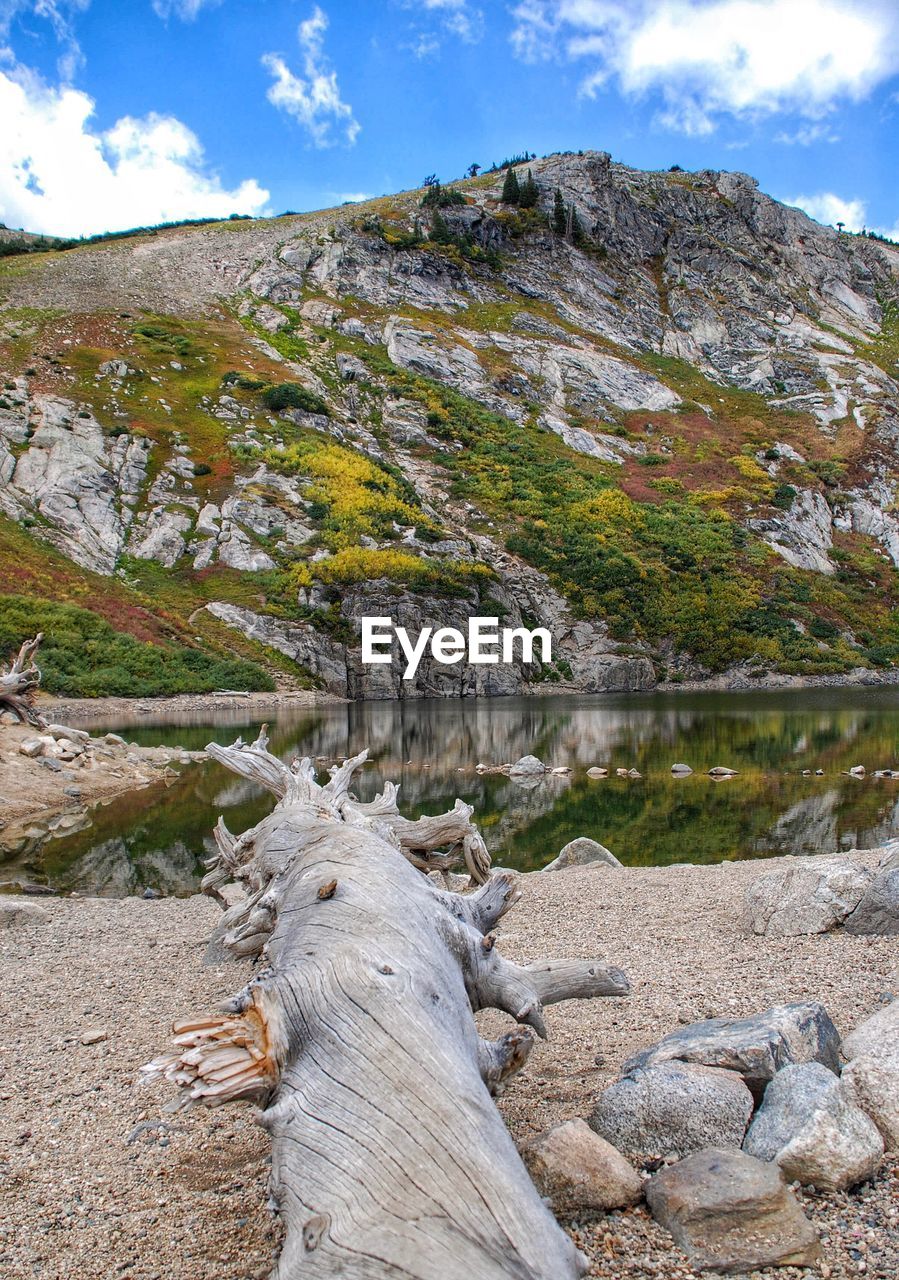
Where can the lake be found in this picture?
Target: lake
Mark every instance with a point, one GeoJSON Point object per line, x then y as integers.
{"type": "Point", "coordinates": [159, 837]}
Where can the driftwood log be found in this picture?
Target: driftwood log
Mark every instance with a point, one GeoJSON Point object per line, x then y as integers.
{"type": "Point", "coordinates": [358, 1041]}
{"type": "Point", "coordinates": [19, 683]}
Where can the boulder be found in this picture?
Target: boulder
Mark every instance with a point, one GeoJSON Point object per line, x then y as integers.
{"type": "Point", "coordinates": [890, 858]}
{"type": "Point", "coordinates": [578, 1170]}
{"type": "Point", "coordinates": [596, 772]}
{"type": "Point", "coordinates": [731, 1213]}
{"type": "Point", "coordinates": [805, 895]}
{"type": "Point", "coordinates": [673, 1109]}
{"type": "Point", "coordinates": [63, 731]}
{"type": "Point", "coordinates": [756, 1047]}
{"type": "Point", "coordinates": [13, 912]}
{"type": "Point", "coordinates": [877, 1036]}
{"type": "Point", "coordinates": [808, 1126]}
{"type": "Point", "coordinates": [721, 771]}
{"type": "Point", "coordinates": [871, 1083]}
{"type": "Point", "coordinates": [527, 767]}
{"type": "Point", "coordinates": [878, 910]}
{"type": "Point", "coordinates": [31, 747]}
{"type": "Point", "coordinates": [681, 770]}
{"type": "Point", "coordinates": [581, 852]}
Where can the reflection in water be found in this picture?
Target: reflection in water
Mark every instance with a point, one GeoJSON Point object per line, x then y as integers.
{"type": "Point", "coordinates": [159, 837]}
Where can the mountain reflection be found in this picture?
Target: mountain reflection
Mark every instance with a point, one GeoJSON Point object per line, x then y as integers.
{"type": "Point", "coordinates": [159, 837]}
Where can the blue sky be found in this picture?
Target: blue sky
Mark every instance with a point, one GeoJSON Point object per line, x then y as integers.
{"type": "Point", "coordinates": [116, 113]}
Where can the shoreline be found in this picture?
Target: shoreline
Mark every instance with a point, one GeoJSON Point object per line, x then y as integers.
{"type": "Point", "coordinates": [58, 706]}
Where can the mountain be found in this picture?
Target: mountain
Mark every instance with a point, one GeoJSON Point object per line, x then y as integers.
{"type": "Point", "coordinates": [656, 413]}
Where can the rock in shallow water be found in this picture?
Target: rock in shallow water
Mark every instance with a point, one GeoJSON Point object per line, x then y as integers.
{"type": "Point", "coordinates": [756, 1047]}
{"type": "Point", "coordinates": [808, 1127]}
{"type": "Point", "coordinates": [731, 1213]}
{"type": "Point", "coordinates": [578, 1170]}
{"type": "Point", "coordinates": [673, 1109]}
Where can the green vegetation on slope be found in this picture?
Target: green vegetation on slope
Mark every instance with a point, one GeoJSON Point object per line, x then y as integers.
{"type": "Point", "coordinates": [82, 656]}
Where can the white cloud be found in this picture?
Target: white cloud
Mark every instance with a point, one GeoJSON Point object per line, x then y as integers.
{"type": "Point", "coordinates": [454, 17]}
{"type": "Point", "coordinates": [808, 134]}
{"type": "Point", "coordinates": [714, 57]}
{"type": "Point", "coordinates": [60, 14]}
{"type": "Point", "coordinates": [186, 10]}
{"type": "Point", "coordinates": [315, 100]}
{"type": "Point", "coordinates": [458, 17]}
{"type": "Point", "coordinates": [351, 197]}
{"type": "Point", "coordinates": [831, 209]}
{"type": "Point", "coordinates": [58, 175]}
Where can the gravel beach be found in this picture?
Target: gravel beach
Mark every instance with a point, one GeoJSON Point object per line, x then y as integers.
{"type": "Point", "coordinates": [92, 1185]}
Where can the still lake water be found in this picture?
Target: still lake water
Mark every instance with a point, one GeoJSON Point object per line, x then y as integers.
{"type": "Point", "coordinates": [159, 837]}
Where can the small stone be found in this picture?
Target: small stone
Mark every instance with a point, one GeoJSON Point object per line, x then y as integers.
{"type": "Point", "coordinates": [729, 1212]}
{"type": "Point", "coordinates": [53, 765]}
{"type": "Point", "coordinates": [74, 793]}
{"type": "Point", "coordinates": [595, 772]}
{"type": "Point", "coordinates": [93, 1037]}
{"type": "Point", "coordinates": [681, 770]}
{"type": "Point", "coordinates": [634, 773]}
{"type": "Point", "coordinates": [673, 1109]}
{"type": "Point", "coordinates": [581, 852]}
{"type": "Point", "coordinates": [721, 771]}
{"type": "Point", "coordinates": [150, 895]}
{"type": "Point", "coordinates": [577, 1170]}
{"type": "Point", "coordinates": [31, 747]}
{"type": "Point", "coordinates": [808, 1126]}
{"type": "Point", "coordinates": [857, 771]}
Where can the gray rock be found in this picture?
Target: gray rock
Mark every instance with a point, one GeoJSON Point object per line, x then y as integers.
{"type": "Point", "coordinates": [53, 765]}
{"type": "Point", "coordinates": [756, 1047]}
{"type": "Point", "coordinates": [731, 1213]}
{"type": "Point", "coordinates": [877, 1036]}
{"type": "Point", "coordinates": [813, 1132]}
{"type": "Point", "coordinates": [871, 1083]}
{"type": "Point", "coordinates": [878, 910]}
{"type": "Point", "coordinates": [805, 896]}
{"type": "Point", "coordinates": [31, 747]}
{"type": "Point", "coordinates": [527, 766]}
{"type": "Point", "coordinates": [15, 912]}
{"type": "Point", "coordinates": [890, 859]}
{"type": "Point", "coordinates": [673, 1109]}
{"type": "Point", "coordinates": [577, 1170]}
{"type": "Point", "coordinates": [681, 770]}
{"type": "Point", "coordinates": [581, 852]}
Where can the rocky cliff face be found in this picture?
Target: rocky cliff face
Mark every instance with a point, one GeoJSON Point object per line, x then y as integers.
{"type": "Point", "coordinates": [671, 438]}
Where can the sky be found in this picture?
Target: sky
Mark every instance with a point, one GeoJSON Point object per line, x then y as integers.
{"type": "Point", "coordinates": [121, 113]}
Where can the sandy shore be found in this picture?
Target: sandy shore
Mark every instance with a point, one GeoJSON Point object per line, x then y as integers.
{"type": "Point", "coordinates": [91, 1188]}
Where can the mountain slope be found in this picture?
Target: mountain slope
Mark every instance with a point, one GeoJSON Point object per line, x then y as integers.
{"type": "Point", "coordinates": [656, 412]}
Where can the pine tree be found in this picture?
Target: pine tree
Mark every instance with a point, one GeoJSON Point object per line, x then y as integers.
{"type": "Point", "coordinates": [560, 217]}
{"type": "Point", "coordinates": [529, 192]}
{"type": "Point", "coordinates": [575, 230]}
{"type": "Point", "coordinates": [440, 232]}
{"type": "Point", "coordinates": [511, 190]}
